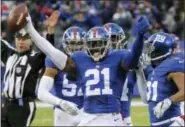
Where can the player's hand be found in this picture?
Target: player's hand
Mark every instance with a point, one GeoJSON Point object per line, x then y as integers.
{"type": "Point", "coordinates": [161, 107]}
{"type": "Point", "coordinates": [52, 20]}
{"type": "Point", "coordinates": [144, 60]}
{"type": "Point", "coordinates": [69, 107]}
{"type": "Point", "coordinates": [142, 25]}
{"type": "Point", "coordinates": [29, 22]}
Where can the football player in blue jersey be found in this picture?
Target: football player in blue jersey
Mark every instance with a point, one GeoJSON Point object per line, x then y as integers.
{"type": "Point", "coordinates": [165, 81]}
{"type": "Point", "coordinates": [118, 41]}
{"type": "Point", "coordinates": [97, 70]}
{"type": "Point", "coordinates": [63, 88]}
{"type": "Point", "coordinates": [54, 86]}
{"type": "Point", "coordinates": [178, 53]}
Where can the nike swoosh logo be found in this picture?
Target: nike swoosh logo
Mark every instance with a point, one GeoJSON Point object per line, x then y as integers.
{"type": "Point", "coordinates": [181, 61]}
{"type": "Point", "coordinates": [116, 119]}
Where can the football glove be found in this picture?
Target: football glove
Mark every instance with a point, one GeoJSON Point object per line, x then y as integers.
{"type": "Point", "coordinates": [69, 107]}
{"type": "Point", "coordinates": [161, 107]}
{"type": "Point", "coordinates": [141, 26]}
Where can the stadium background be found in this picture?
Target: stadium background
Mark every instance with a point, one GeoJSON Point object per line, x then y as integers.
{"type": "Point", "coordinates": [164, 15]}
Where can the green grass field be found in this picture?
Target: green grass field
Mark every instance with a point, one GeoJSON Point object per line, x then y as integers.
{"type": "Point", "coordinates": [44, 116]}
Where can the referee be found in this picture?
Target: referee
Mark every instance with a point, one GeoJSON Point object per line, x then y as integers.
{"type": "Point", "coordinates": [22, 71]}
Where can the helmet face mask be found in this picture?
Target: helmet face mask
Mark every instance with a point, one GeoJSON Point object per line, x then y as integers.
{"type": "Point", "coordinates": [97, 49]}
{"type": "Point", "coordinates": [72, 46]}
{"type": "Point", "coordinates": [117, 40]}
{"type": "Point", "coordinates": [116, 35]}
{"type": "Point", "coordinates": [97, 43]}
{"type": "Point", "coordinates": [73, 40]}
{"type": "Point", "coordinates": [148, 48]}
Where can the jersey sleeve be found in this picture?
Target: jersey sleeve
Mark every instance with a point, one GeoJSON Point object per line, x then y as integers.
{"type": "Point", "coordinates": [148, 70]}
{"type": "Point", "coordinates": [6, 51]}
{"type": "Point", "coordinates": [122, 54]}
{"type": "Point", "coordinates": [78, 57]}
{"type": "Point", "coordinates": [49, 63]}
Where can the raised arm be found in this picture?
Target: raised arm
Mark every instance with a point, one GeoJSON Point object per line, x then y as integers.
{"type": "Point", "coordinates": [141, 82]}
{"type": "Point", "coordinates": [6, 50]}
{"type": "Point", "coordinates": [62, 61]}
{"type": "Point", "coordinates": [132, 58]}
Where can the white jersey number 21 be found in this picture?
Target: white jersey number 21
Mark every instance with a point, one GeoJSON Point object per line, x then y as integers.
{"type": "Point", "coordinates": [95, 73]}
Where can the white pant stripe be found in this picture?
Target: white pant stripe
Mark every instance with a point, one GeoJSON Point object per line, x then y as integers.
{"type": "Point", "coordinates": [31, 104]}
{"type": "Point", "coordinates": [164, 121]}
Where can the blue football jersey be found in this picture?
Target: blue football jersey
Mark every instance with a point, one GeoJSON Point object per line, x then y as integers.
{"type": "Point", "coordinates": [102, 92]}
{"type": "Point", "coordinates": [127, 93]}
{"type": "Point", "coordinates": [180, 54]}
{"type": "Point", "coordinates": [65, 89]}
{"type": "Point", "coordinates": [159, 87]}
{"type": "Point", "coordinates": [148, 70]}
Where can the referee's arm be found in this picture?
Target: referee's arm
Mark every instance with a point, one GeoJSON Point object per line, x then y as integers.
{"type": "Point", "coordinates": [6, 51]}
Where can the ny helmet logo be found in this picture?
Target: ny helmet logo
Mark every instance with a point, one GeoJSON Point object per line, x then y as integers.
{"type": "Point", "coordinates": [160, 38]}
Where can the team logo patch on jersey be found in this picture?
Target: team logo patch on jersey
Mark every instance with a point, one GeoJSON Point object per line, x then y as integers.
{"type": "Point", "coordinates": [18, 69]}
{"type": "Point", "coordinates": [182, 61]}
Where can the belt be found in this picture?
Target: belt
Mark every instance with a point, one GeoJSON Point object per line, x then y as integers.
{"type": "Point", "coordinates": [113, 113]}
{"type": "Point", "coordinates": [19, 101]}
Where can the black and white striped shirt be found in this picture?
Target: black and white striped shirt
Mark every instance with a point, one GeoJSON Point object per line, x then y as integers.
{"type": "Point", "coordinates": [22, 72]}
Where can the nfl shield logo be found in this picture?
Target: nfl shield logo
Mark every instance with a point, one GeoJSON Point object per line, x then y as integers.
{"type": "Point", "coordinates": [18, 69]}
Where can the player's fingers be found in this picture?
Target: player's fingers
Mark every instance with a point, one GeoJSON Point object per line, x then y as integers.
{"type": "Point", "coordinates": [28, 18]}
{"type": "Point", "coordinates": [46, 17]}
{"type": "Point", "coordinates": [56, 13]}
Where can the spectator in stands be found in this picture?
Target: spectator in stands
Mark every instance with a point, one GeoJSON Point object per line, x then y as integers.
{"type": "Point", "coordinates": [123, 17]}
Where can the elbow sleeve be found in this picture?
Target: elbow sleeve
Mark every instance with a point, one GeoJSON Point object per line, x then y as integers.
{"type": "Point", "coordinates": [58, 57]}
{"type": "Point", "coordinates": [44, 94]}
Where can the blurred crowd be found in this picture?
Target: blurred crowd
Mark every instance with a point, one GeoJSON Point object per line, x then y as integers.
{"type": "Point", "coordinates": [165, 15]}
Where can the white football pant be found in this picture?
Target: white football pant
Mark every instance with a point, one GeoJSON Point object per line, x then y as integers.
{"type": "Point", "coordinates": [62, 118]}
{"type": "Point", "coordinates": [174, 121]}
{"type": "Point", "coordinates": [101, 119]}
{"type": "Point", "coordinates": [178, 122]}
